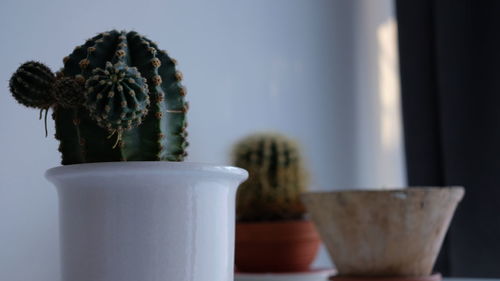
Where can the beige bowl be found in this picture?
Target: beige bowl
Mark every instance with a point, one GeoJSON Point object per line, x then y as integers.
{"type": "Point", "coordinates": [383, 232]}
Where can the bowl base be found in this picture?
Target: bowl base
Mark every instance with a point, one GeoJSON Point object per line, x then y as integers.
{"type": "Point", "coordinates": [433, 277]}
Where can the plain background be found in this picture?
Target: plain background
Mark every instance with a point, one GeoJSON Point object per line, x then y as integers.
{"type": "Point", "coordinates": [323, 72]}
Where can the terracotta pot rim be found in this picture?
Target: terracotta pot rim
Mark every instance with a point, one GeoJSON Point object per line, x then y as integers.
{"type": "Point", "coordinates": [299, 230]}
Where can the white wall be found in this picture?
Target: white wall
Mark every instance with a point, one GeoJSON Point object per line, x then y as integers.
{"type": "Point", "coordinates": [287, 65]}
{"type": "Point", "coordinates": [379, 144]}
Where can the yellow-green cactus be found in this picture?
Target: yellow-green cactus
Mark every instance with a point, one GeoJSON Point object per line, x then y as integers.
{"type": "Point", "coordinates": [276, 178]}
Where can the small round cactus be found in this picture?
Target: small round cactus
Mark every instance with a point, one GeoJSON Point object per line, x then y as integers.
{"type": "Point", "coordinates": [117, 97]}
{"type": "Point", "coordinates": [31, 85]}
{"type": "Point", "coordinates": [68, 92]}
{"type": "Point", "coordinates": [276, 178]}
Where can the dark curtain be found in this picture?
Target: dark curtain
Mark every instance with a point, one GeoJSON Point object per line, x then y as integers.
{"type": "Point", "coordinates": [450, 82]}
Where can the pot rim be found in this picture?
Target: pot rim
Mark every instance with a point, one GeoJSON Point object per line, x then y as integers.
{"type": "Point", "coordinates": [146, 167]}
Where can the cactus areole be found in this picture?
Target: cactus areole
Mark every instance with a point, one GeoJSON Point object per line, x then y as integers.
{"type": "Point", "coordinates": [117, 98]}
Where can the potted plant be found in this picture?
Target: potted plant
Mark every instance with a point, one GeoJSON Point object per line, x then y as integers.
{"type": "Point", "coordinates": [383, 235]}
{"type": "Point", "coordinates": [272, 234]}
{"type": "Point", "coordinates": [140, 214]}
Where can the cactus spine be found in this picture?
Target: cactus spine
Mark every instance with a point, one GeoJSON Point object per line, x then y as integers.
{"type": "Point", "coordinates": [117, 98]}
{"type": "Point", "coordinates": [276, 178]}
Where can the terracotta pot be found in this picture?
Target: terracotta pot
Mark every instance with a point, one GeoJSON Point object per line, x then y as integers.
{"type": "Point", "coordinates": [287, 246]}
{"type": "Point", "coordinates": [434, 277]}
{"type": "Point", "coordinates": [384, 232]}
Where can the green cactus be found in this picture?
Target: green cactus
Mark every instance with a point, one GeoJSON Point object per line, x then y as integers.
{"type": "Point", "coordinates": [31, 85]}
{"type": "Point", "coordinates": [276, 178]}
{"type": "Point", "coordinates": [117, 98]}
{"type": "Point", "coordinates": [68, 93]}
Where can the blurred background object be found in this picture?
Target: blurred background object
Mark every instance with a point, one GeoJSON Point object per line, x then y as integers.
{"type": "Point", "coordinates": [272, 231]}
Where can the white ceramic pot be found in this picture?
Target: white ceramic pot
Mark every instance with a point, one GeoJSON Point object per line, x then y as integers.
{"type": "Point", "coordinates": [147, 221]}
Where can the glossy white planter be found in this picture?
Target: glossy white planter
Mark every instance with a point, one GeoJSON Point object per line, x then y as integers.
{"type": "Point", "coordinates": [146, 221]}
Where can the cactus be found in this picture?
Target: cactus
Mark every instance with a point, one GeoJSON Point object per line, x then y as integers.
{"type": "Point", "coordinates": [31, 85]}
{"type": "Point", "coordinates": [68, 92]}
{"type": "Point", "coordinates": [117, 98]}
{"type": "Point", "coordinates": [276, 178]}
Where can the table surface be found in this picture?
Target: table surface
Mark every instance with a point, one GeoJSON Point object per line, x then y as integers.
{"type": "Point", "coordinates": [317, 277]}
{"type": "Point", "coordinates": [471, 279]}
